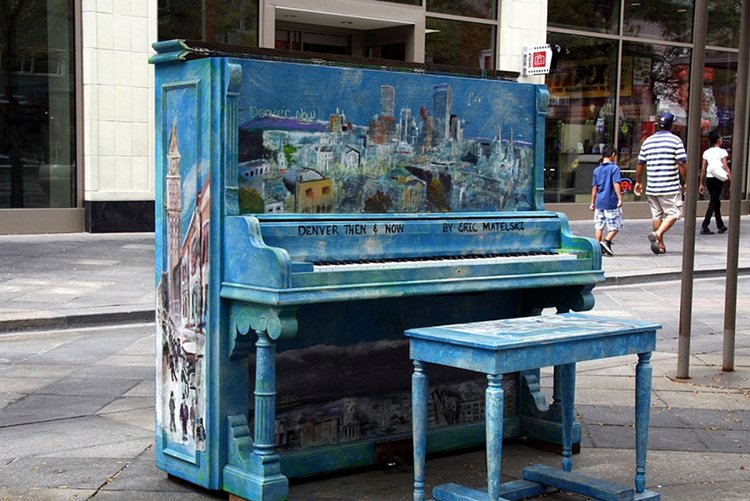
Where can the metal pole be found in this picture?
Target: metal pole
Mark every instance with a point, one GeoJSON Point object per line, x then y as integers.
{"type": "Point", "coordinates": [739, 156]}
{"type": "Point", "coordinates": [695, 105]}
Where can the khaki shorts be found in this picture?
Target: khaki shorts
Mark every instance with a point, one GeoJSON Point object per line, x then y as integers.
{"type": "Point", "coordinates": [665, 206]}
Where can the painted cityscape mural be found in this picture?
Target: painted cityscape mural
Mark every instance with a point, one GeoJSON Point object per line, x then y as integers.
{"type": "Point", "coordinates": [354, 140]}
{"type": "Point", "coordinates": [182, 288]}
{"type": "Point", "coordinates": [363, 391]}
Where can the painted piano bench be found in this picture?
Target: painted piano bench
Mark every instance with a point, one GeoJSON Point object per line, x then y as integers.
{"type": "Point", "coordinates": [503, 346]}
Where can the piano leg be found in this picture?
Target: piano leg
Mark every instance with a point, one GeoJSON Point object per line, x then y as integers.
{"type": "Point", "coordinates": [253, 469]}
{"type": "Point", "coordinates": [541, 422]}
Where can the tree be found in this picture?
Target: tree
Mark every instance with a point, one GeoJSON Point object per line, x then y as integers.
{"type": "Point", "coordinates": [379, 202]}
{"type": "Point", "coordinates": [250, 202]}
{"type": "Point", "coordinates": [436, 195]}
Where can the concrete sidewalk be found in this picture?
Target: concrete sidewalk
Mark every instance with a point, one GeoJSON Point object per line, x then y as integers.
{"type": "Point", "coordinates": [76, 404]}
{"type": "Point", "coordinates": [74, 280]}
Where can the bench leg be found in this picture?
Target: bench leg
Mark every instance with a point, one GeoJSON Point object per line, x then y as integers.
{"type": "Point", "coordinates": [643, 373]}
{"type": "Point", "coordinates": [419, 403]}
{"type": "Point", "coordinates": [567, 401]}
{"type": "Point", "coordinates": [494, 406]}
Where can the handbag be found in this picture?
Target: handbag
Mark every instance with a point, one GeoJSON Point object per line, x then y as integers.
{"type": "Point", "coordinates": [717, 172]}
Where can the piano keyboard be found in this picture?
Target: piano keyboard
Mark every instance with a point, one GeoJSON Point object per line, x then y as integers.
{"type": "Point", "coordinates": [411, 262]}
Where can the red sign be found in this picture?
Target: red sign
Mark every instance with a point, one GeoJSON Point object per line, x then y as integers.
{"type": "Point", "coordinates": [539, 59]}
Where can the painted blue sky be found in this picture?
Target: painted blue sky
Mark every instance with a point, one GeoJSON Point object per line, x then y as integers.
{"type": "Point", "coordinates": [181, 110]}
{"type": "Point", "coordinates": [297, 90]}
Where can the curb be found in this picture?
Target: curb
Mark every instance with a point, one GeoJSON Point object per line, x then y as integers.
{"type": "Point", "coordinates": [667, 276]}
{"type": "Point", "coordinates": [61, 322]}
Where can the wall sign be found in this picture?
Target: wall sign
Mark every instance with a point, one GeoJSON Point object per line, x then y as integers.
{"type": "Point", "coordinates": [537, 60]}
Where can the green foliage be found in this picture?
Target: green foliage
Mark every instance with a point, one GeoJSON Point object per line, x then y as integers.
{"type": "Point", "coordinates": [289, 151]}
{"type": "Point", "coordinates": [251, 202]}
{"type": "Point", "coordinates": [436, 195]}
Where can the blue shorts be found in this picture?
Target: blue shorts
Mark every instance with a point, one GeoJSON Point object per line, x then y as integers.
{"type": "Point", "coordinates": [612, 217]}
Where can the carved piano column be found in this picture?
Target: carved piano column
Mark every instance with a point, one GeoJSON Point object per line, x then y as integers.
{"type": "Point", "coordinates": [265, 396]}
{"type": "Point", "coordinates": [253, 470]}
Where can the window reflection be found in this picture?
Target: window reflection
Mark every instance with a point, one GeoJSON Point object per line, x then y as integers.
{"type": "Point", "coordinates": [723, 29]}
{"type": "Point", "coordinates": [581, 115]}
{"type": "Point", "coordinates": [719, 87]}
{"type": "Point", "coordinates": [180, 19]}
{"type": "Point", "coordinates": [654, 78]}
{"type": "Point", "coordinates": [37, 106]}
{"type": "Point", "coordinates": [593, 15]}
{"type": "Point", "coordinates": [459, 43]}
{"type": "Point", "coordinates": [233, 22]}
{"type": "Point", "coordinates": [659, 19]}
{"type": "Point", "coordinates": [484, 9]}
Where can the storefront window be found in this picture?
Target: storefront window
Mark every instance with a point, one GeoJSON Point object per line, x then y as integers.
{"type": "Point", "coordinates": [233, 22]}
{"type": "Point", "coordinates": [719, 88]}
{"type": "Point", "coordinates": [483, 9]}
{"type": "Point", "coordinates": [723, 28]}
{"type": "Point", "coordinates": [654, 78]}
{"type": "Point", "coordinates": [581, 114]}
{"type": "Point", "coordinates": [180, 19]}
{"type": "Point", "coordinates": [659, 19]}
{"type": "Point", "coordinates": [37, 106]}
{"type": "Point", "coordinates": [459, 43]}
{"type": "Point", "coordinates": [592, 15]}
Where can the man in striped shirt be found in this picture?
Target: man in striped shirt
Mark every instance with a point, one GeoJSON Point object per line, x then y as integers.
{"type": "Point", "coordinates": [663, 156]}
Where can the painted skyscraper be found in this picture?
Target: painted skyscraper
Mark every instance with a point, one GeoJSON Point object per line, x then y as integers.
{"type": "Point", "coordinates": [387, 100]}
{"type": "Point", "coordinates": [441, 112]}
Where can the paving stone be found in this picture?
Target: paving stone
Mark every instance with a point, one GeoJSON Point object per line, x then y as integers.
{"type": "Point", "coordinates": [623, 437]}
{"type": "Point", "coordinates": [159, 496]}
{"type": "Point", "coordinates": [114, 448]}
{"type": "Point", "coordinates": [146, 477]}
{"type": "Point", "coordinates": [597, 415]}
{"type": "Point", "coordinates": [25, 385]}
{"type": "Point", "coordinates": [142, 418]}
{"type": "Point", "coordinates": [40, 408]}
{"type": "Point", "coordinates": [27, 370]}
{"type": "Point", "coordinates": [88, 386]}
{"type": "Point", "coordinates": [728, 400]}
{"type": "Point", "coordinates": [737, 441]}
{"type": "Point", "coordinates": [146, 388]}
{"type": "Point", "coordinates": [23, 493]}
{"type": "Point", "coordinates": [713, 419]}
{"type": "Point", "coordinates": [593, 396]}
{"type": "Point", "coordinates": [707, 489]}
{"type": "Point", "coordinates": [99, 370]}
{"type": "Point", "coordinates": [44, 437]}
{"type": "Point", "coordinates": [59, 473]}
{"type": "Point", "coordinates": [127, 404]}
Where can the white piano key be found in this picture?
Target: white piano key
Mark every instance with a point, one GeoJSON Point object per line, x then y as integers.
{"type": "Point", "coordinates": [441, 261]}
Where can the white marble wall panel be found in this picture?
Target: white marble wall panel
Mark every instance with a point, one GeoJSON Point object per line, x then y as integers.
{"type": "Point", "coordinates": [118, 99]}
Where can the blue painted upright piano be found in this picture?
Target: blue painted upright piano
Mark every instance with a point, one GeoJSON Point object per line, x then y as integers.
{"type": "Point", "coordinates": [310, 211]}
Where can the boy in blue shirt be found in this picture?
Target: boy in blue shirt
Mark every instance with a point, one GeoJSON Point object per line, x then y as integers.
{"type": "Point", "coordinates": [606, 199]}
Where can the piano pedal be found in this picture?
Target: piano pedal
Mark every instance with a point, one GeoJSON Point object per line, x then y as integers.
{"type": "Point", "coordinates": [392, 455]}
